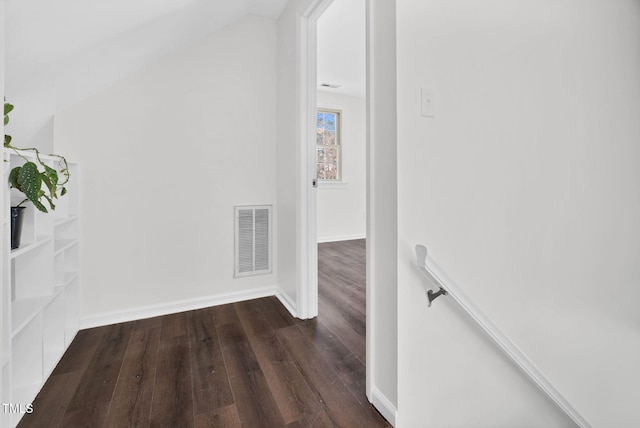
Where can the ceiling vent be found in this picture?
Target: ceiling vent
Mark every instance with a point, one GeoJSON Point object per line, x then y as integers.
{"type": "Point", "coordinates": [252, 240]}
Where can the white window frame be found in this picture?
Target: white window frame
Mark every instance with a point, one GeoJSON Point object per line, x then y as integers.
{"type": "Point", "coordinates": [322, 182]}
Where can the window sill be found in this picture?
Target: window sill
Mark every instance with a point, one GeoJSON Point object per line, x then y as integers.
{"type": "Point", "coordinates": [332, 184]}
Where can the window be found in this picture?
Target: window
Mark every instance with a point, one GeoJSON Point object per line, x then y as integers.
{"type": "Point", "coordinates": [328, 145]}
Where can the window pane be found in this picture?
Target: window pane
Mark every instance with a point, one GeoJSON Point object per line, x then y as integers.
{"type": "Point", "coordinates": [328, 163]}
{"type": "Point", "coordinates": [330, 155]}
{"type": "Point", "coordinates": [320, 155]}
{"type": "Point", "coordinates": [321, 175]}
{"type": "Point", "coordinates": [327, 171]}
{"type": "Point", "coordinates": [329, 138]}
{"type": "Point", "coordinates": [328, 145]}
{"type": "Point", "coordinates": [330, 121]}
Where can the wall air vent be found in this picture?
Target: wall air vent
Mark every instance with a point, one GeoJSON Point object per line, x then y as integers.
{"type": "Point", "coordinates": [252, 240]}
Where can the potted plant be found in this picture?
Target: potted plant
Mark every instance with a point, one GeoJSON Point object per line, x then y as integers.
{"type": "Point", "coordinates": [40, 183]}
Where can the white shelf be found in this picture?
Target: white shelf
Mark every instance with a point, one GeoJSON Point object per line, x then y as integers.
{"type": "Point", "coordinates": [70, 276]}
{"type": "Point", "coordinates": [72, 313]}
{"type": "Point", "coordinates": [25, 310]}
{"type": "Point", "coordinates": [69, 335]}
{"type": "Point", "coordinates": [29, 247]}
{"type": "Point", "coordinates": [64, 220]}
{"type": "Point", "coordinates": [53, 333]}
{"type": "Point", "coordinates": [41, 290]}
{"type": "Point", "coordinates": [6, 362]}
{"type": "Point", "coordinates": [62, 244]}
{"type": "Point", "coordinates": [29, 155]}
{"type": "Point", "coordinates": [67, 279]}
{"type": "Point", "coordinates": [52, 357]}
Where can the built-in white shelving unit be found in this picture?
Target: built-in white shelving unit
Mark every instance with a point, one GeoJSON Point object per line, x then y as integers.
{"type": "Point", "coordinates": [40, 286]}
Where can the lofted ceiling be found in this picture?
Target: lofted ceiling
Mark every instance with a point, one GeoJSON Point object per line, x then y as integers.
{"type": "Point", "coordinates": [58, 52]}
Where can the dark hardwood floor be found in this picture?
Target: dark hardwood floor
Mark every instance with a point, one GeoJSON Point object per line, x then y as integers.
{"type": "Point", "coordinates": [247, 364]}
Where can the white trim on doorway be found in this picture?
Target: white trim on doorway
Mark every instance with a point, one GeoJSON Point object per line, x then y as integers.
{"type": "Point", "coordinates": [306, 63]}
{"type": "Point", "coordinates": [382, 240]}
{"type": "Point", "coordinates": [370, 231]}
{"type": "Point", "coordinates": [307, 291]}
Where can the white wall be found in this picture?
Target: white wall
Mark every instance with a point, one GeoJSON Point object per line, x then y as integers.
{"type": "Point", "coordinates": [287, 177]}
{"type": "Point", "coordinates": [341, 209]}
{"type": "Point", "coordinates": [524, 187]}
{"type": "Point", "coordinates": [165, 155]}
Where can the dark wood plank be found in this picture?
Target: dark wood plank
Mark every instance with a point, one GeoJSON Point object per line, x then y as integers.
{"type": "Point", "coordinates": [175, 325]}
{"type": "Point", "coordinates": [252, 318]}
{"type": "Point", "coordinates": [253, 398]}
{"type": "Point", "coordinates": [172, 403]}
{"type": "Point", "coordinates": [230, 335]}
{"type": "Point", "coordinates": [86, 417]}
{"type": "Point", "coordinates": [51, 403]}
{"type": "Point", "coordinates": [101, 375]}
{"type": "Point", "coordinates": [348, 368]}
{"type": "Point", "coordinates": [341, 292]}
{"type": "Point", "coordinates": [275, 313]}
{"type": "Point", "coordinates": [81, 350]}
{"type": "Point", "coordinates": [349, 328]}
{"type": "Point", "coordinates": [340, 404]}
{"type": "Point", "coordinates": [319, 420]}
{"type": "Point", "coordinates": [147, 323]}
{"type": "Point", "coordinates": [225, 314]}
{"type": "Point", "coordinates": [211, 388]}
{"type": "Point", "coordinates": [224, 417]}
{"type": "Point", "coordinates": [131, 402]}
{"type": "Point", "coordinates": [339, 332]}
{"type": "Point", "coordinates": [342, 286]}
{"type": "Point", "coordinates": [292, 394]}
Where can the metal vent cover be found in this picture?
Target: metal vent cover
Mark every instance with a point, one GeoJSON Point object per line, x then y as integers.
{"type": "Point", "coordinates": [252, 240]}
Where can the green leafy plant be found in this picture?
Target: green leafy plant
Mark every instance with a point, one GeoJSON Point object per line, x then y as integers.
{"type": "Point", "coordinates": [39, 182]}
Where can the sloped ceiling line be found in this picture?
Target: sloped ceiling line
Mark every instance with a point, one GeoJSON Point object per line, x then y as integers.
{"type": "Point", "coordinates": [60, 52]}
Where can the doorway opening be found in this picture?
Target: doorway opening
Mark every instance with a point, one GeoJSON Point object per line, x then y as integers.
{"type": "Point", "coordinates": [381, 236]}
{"type": "Point", "coordinates": [341, 172]}
{"type": "Point", "coordinates": [341, 123]}
{"type": "Point", "coordinates": [308, 97]}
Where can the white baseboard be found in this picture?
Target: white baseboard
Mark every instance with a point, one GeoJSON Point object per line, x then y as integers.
{"type": "Point", "coordinates": [287, 303]}
{"type": "Point", "coordinates": [141, 312]}
{"type": "Point", "coordinates": [341, 238]}
{"type": "Point", "coordinates": [384, 406]}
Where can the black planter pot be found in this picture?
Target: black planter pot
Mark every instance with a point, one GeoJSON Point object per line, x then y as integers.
{"type": "Point", "coordinates": [17, 214]}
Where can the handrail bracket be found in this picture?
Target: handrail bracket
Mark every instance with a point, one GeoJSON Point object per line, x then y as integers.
{"type": "Point", "coordinates": [434, 295]}
{"type": "Point", "coordinates": [421, 256]}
